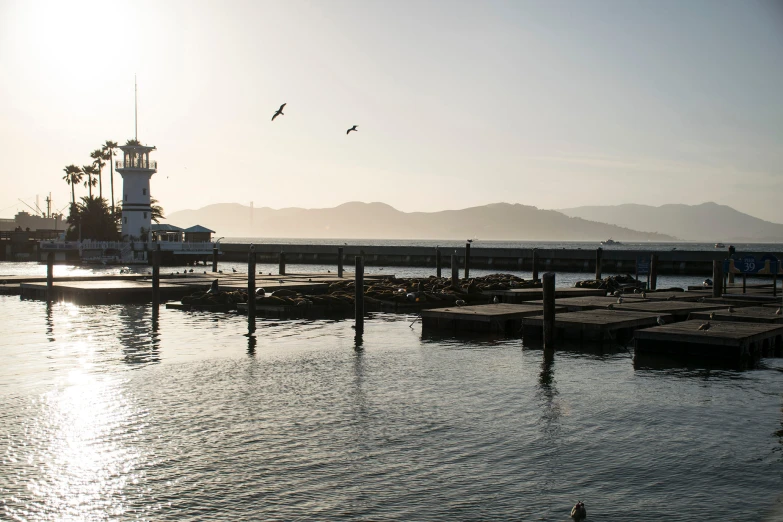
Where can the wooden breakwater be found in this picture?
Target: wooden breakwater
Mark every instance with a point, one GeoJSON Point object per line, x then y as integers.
{"type": "Point", "coordinates": [498, 259]}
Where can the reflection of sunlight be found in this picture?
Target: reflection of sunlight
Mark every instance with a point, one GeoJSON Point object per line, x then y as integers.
{"type": "Point", "coordinates": [84, 462]}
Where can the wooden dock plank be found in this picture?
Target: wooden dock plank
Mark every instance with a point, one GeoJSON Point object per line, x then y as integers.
{"type": "Point", "coordinates": [752, 314]}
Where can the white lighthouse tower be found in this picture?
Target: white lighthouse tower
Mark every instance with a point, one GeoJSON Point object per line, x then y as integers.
{"type": "Point", "coordinates": [136, 169]}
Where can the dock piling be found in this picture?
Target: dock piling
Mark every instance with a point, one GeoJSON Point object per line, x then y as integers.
{"type": "Point", "coordinates": [214, 258]}
{"type": "Point", "coordinates": [653, 271]}
{"type": "Point", "coordinates": [156, 276]}
{"type": "Point", "coordinates": [535, 265]}
{"type": "Point", "coordinates": [599, 254]}
{"type": "Point", "coordinates": [744, 283]}
{"type": "Point", "coordinates": [467, 260]}
{"type": "Point", "coordinates": [437, 262]}
{"type": "Point", "coordinates": [454, 272]}
{"type": "Point", "coordinates": [49, 275]}
{"type": "Point", "coordinates": [549, 310]}
{"type": "Point", "coordinates": [339, 261]}
{"type": "Point", "coordinates": [717, 278]}
{"type": "Point", "coordinates": [359, 294]}
{"type": "Point", "coordinates": [281, 269]}
{"type": "Point", "coordinates": [251, 288]}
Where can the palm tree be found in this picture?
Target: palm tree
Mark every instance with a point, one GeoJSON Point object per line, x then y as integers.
{"type": "Point", "coordinates": [73, 176]}
{"type": "Point", "coordinates": [156, 211]}
{"type": "Point", "coordinates": [90, 183]}
{"type": "Point", "coordinates": [98, 163]}
{"type": "Point", "coordinates": [108, 155]}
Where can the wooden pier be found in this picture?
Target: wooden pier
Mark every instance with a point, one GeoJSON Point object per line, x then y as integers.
{"type": "Point", "coordinates": [495, 318]}
{"type": "Point", "coordinates": [593, 325]}
{"type": "Point", "coordinates": [750, 314]}
{"type": "Point", "coordinates": [734, 342]}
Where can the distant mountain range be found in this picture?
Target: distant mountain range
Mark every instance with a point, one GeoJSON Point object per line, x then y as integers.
{"type": "Point", "coordinates": [497, 221]}
{"type": "Point", "coordinates": [708, 222]}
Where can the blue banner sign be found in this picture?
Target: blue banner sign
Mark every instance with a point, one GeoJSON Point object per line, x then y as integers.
{"type": "Point", "coordinates": [751, 265]}
{"type": "Point", "coordinates": [643, 265]}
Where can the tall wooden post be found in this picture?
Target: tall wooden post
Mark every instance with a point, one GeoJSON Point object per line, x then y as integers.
{"type": "Point", "coordinates": [717, 278]}
{"type": "Point", "coordinates": [467, 260]}
{"type": "Point", "coordinates": [653, 271]}
{"type": "Point", "coordinates": [281, 269]}
{"type": "Point", "coordinates": [535, 264]}
{"type": "Point", "coordinates": [437, 262]}
{"type": "Point", "coordinates": [50, 276]}
{"type": "Point", "coordinates": [549, 310]}
{"type": "Point", "coordinates": [599, 254]}
{"type": "Point", "coordinates": [214, 257]}
{"type": "Point", "coordinates": [731, 274]}
{"type": "Point", "coordinates": [251, 288]}
{"type": "Point", "coordinates": [744, 283]}
{"type": "Point", "coordinates": [454, 272]}
{"type": "Point", "coordinates": [156, 276]}
{"type": "Point", "coordinates": [359, 294]}
{"type": "Point", "coordinates": [339, 261]}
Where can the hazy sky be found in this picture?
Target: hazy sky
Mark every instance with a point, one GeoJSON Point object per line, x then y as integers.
{"type": "Point", "coordinates": [552, 104]}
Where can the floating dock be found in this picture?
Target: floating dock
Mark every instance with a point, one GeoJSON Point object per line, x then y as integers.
{"type": "Point", "coordinates": [521, 295]}
{"type": "Point", "coordinates": [737, 343]}
{"type": "Point", "coordinates": [495, 318]}
{"type": "Point", "coordinates": [103, 292]}
{"type": "Point", "coordinates": [750, 314]}
{"type": "Point", "coordinates": [593, 325]}
{"type": "Point", "coordinates": [678, 309]}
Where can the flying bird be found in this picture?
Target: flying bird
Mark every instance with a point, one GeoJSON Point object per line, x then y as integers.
{"type": "Point", "coordinates": [351, 129]}
{"type": "Point", "coordinates": [278, 112]}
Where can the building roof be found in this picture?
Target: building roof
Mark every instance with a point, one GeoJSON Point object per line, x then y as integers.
{"type": "Point", "coordinates": [198, 228]}
{"type": "Point", "coordinates": [165, 228]}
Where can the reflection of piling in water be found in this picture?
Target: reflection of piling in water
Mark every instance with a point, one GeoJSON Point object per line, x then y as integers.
{"type": "Point", "coordinates": [454, 272]}
{"type": "Point", "coordinates": [534, 261]}
{"type": "Point", "coordinates": [50, 276]}
{"type": "Point", "coordinates": [281, 267]}
{"type": "Point", "coordinates": [437, 262]}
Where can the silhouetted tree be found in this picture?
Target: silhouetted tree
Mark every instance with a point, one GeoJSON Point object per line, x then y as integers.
{"type": "Point", "coordinates": [98, 163]}
{"type": "Point", "coordinates": [89, 170]}
{"type": "Point", "coordinates": [108, 155]}
{"type": "Point", "coordinates": [96, 220]}
{"type": "Point", "coordinates": [73, 176]}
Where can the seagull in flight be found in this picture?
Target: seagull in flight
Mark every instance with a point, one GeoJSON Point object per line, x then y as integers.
{"type": "Point", "coordinates": [279, 112]}
{"type": "Point", "coordinates": [351, 129]}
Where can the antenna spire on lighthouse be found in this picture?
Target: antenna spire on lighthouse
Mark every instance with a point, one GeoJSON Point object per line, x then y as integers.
{"type": "Point", "coordinates": [136, 107]}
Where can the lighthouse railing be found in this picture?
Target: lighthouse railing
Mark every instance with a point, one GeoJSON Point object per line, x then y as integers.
{"type": "Point", "coordinates": [136, 164]}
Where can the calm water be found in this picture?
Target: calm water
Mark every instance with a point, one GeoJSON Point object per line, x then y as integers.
{"type": "Point", "coordinates": [107, 413]}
